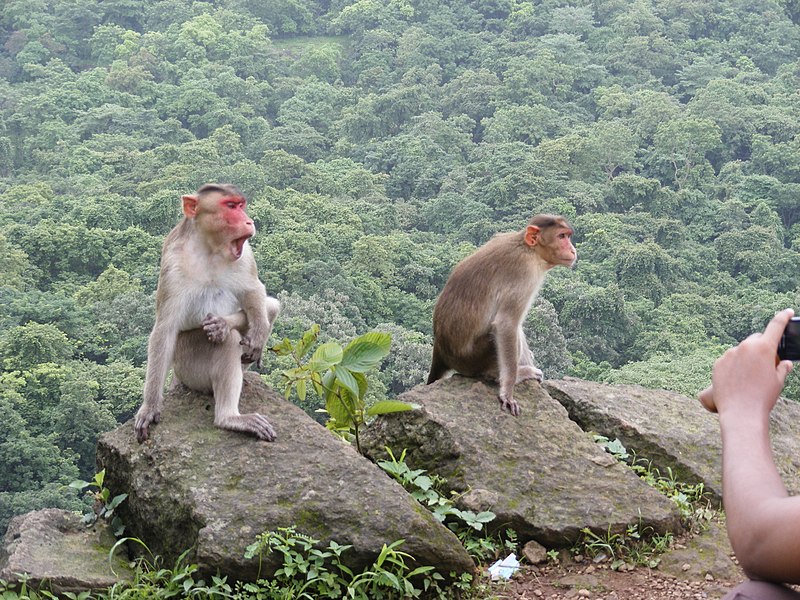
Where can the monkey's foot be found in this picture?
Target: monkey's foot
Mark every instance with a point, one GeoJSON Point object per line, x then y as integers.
{"type": "Point", "coordinates": [527, 372]}
{"type": "Point", "coordinates": [145, 418]}
{"type": "Point", "coordinates": [216, 328]}
{"type": "Point", "coordinates": [509, 404]}
{"type": "Point", "coordinates": [254, 423]}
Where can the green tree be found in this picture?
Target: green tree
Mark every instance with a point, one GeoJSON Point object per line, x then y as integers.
{"type": "Point", "coordinates": [34, 343]}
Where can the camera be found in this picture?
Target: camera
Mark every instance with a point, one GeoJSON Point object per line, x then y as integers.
{"type": "Point", "coordinates": [789, 346]}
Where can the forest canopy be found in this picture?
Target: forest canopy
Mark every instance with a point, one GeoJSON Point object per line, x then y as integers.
{"type": "Point", "coordinates": [378, 143]}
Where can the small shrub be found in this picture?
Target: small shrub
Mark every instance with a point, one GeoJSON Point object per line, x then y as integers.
{"type": "Point", "coordinates": [103, 505]}
{"type": "Point", "coordinates": [309, 572]}
{"type": "Point", "coordinates": [338, 376]}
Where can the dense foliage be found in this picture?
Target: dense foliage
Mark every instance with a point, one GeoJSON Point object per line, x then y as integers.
{"type": "Point", "coordinates": [379, 142]}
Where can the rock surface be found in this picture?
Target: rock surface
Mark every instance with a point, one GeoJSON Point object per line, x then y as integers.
{"type": "Point", "coordinates": [192, 485]}
{"type": "Point", "coordinates": [672, 431]}
{"type": "Point", "coordinates": [60, 553]}
{"type": "Point", "coordinates": [539, 473]}
{"type": "Point", "coordinates": [667, 429]}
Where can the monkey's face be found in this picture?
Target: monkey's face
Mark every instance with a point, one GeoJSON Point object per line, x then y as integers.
{"type": "Point", "coordinates": [553, 244]}
{"type": "Point", "coordinates": [564, 249]}
{"type": "Point", "coordinates": [224, 219]}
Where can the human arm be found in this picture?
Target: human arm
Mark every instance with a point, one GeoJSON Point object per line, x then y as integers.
{"type": "Point", "coordinates": [763, 520]}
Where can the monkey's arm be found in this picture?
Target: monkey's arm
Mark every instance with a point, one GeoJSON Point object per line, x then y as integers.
{"type": "Point", "coordinates": [160, 352]}
{"type": "Point", "coordinates": [506, 333]}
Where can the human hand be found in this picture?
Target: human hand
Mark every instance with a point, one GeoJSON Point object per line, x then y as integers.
{"type": "Point", "coordinates": [749, 376]}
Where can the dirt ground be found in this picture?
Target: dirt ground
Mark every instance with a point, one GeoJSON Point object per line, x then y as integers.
{"type": "Point", "coordinates": [698, 567]}
{"type": "Point", "coordinates": [600, 582]}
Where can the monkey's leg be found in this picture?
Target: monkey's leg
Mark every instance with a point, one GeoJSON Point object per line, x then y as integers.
{"type": "Point", "coordinates": [261, 311]}
{"type": "Point", "coordinates": [217, 368]}
{"type": "Point", "coordinates": [527, 368]}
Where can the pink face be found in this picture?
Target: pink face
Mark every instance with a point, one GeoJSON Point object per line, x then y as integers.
{"type": "Point", "coordinates": [563, 249]}
{"type": "Point", "coordinates": [221, 221]}
{"type": "Point", "coordinates": [235, 225]}
{"type": "Point", "coordinates": [553, 243]}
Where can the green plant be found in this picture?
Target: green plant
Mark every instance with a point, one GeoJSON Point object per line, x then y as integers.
{"type": "Point", "coordinates": [633, 546]}
{"type": "Point", "coordinates": [103, 505]}
{"type": "Point", "coordinates": [466, 524]}
{"type": "Point", "coordinates": [153, 581]}
{"type": "Point", "coordinates": [689, 498]}
{"type": "Point", "coordinates": [309, 572]}
{"type": "Point", "coordinates": [338, 376]}
{"type": "Point", "coordinates": [21, 591]}
{"type": "Point", "coordinates": [637, 545]}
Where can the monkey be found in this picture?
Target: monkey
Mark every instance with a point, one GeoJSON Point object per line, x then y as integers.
{"type": "Point", "coordinates": [213, 314]}
{"type": "Point", "coordinates": [477, 320]}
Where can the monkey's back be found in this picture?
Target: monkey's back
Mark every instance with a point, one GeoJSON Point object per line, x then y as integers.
{"type": "Point", "coordinates": [500, 270]}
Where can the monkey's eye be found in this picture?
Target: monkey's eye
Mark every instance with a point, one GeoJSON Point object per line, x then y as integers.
{"type": "Point", "coordinates": [233, 203]}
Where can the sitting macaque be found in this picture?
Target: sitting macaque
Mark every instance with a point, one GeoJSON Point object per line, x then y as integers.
{"type": "Point", "coordinates": [477, 321]}
{"type": "Point", "coordinates": [213, 315]}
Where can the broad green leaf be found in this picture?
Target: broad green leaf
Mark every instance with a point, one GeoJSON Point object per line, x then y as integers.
{"type": "Point", "coordinates": [301, 390]}
{"type": "Point", "coordinates": [116, 501]}
{"type": "Point", "coordinates": [284, 348]}
{"type": "Point", "coordinates": [316, 380]}
{"type": "Point", "coordinates": [325, 357]}
{"type": "Point", "coordinates": [347, 380]}
{"type": "Point", "coordinates": [308, 339]}
{"type": "Point", "coordinates": [366, 351]}
{"type": "Point", "coordinates": [329, 381]}
{"type": "Point", "coordinates": [423, 482]}
{"type": "Point", "coordinates": [362, 384]}
{"type": "Point", "coordinates": [384, 407]}
{"type": "Point", "coordinates": [340, 406]}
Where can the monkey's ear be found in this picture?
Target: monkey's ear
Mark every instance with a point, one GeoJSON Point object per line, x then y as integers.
{"type": "Point", "coordinates": [189, 206]}
{"type": "Point", "coordinates": [532, 235]}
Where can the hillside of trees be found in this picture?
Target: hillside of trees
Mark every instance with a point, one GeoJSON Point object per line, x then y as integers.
{"type": "Point", "coordinates": [378, 143]}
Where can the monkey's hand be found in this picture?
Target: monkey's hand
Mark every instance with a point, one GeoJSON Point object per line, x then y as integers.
{"type": "Point", "coordinates": [251, 353]}
{"type": "Point", "coordinates": [216, 328]}
{"type": "Point", "coordinates": [144, 418]}
{"type": "Point", "coordinates": [509, 404]}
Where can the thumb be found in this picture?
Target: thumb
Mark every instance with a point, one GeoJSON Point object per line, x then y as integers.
{"type": "Point", "coordinates": [706, 398]}
{"type": "Point", "coordinates": [784, 368]}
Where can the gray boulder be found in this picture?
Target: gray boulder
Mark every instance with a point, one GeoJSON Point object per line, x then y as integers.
{"type": "Point", "coordinates": [195, 486]}
{"type": "Point", "coordinates": [539, 472]}
{"type": "Point", "coordinates": [59, 553]}
{"type": "Point", "coordinates": [673, 431]}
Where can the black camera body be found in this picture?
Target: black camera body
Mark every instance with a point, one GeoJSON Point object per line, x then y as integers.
{"type": "Point", "coordinates": [789, 346]}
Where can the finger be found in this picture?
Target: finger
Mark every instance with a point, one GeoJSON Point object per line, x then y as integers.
{"type": "Point", "coordinates": [784, 368]}
{"type": "Point", "coordinates": [777, 325]}
{"type": "Point", "coordinates": [706, 398]}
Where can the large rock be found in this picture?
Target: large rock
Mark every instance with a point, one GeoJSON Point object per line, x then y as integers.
{"type": "Point", "coordinates": [539, 472]}
{"type": "Point", "coordinates": [672, 432]}
{"type": "Point", "coordinates": [194, 486]}
{"type": "Point", "coordinates": [57, 552]}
